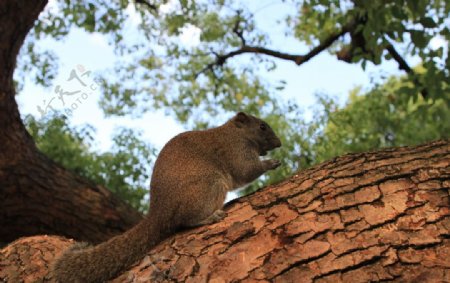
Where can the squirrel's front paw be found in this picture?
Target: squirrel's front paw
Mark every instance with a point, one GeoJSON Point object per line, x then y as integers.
{"type": "Point", "coordinates": [271, 164]}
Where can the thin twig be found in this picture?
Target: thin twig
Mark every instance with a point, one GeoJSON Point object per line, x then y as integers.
{"type": "Point", "coordinates": [403, 65]}
{"type": "Point", "coordinates": [237, 30]}
{"type": "Point", "coordinates": [149, 5]}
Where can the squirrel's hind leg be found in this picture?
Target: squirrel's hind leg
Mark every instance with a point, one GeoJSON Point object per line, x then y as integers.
{"type": "Point", "coordinates": [209, 209]}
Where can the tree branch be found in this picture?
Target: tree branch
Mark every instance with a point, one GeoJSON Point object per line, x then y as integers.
{"type": "Point", "coordinates": [237, 30]}
{"type": "Point", "coordinates": [298, 59]}
{"type": "Point", "coordinates": [377, 206]}
{"type": "Point", "coordinates": [149, 5]}
{"type": "Point", "coordinates": [403, 65]}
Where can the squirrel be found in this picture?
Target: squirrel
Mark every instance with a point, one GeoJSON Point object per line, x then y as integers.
{"type": "Point", "coordinates": [190, 180]}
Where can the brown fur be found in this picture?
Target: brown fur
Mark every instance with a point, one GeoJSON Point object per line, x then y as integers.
{"type": "Point", "coordinates": [191, 177]}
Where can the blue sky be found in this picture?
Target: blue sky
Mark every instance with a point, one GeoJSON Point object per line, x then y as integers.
{"type": "Point", "coordinates": [323, 74]}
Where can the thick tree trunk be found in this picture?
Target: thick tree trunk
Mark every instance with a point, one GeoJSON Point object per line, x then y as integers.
{"type": "Point", "coordinates": [36, 195]}
{"type": "Point", "coordinates": [379, 216]}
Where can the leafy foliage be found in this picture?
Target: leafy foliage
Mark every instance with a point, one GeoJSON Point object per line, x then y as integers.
{"type": "Point", "coordinates": [124, 169]}
{"type": "Point", "coordinates": [385, 116]}
{"type": "Point", "coordinates": [171, 72]}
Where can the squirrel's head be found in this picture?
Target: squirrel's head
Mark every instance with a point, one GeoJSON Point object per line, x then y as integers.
{"type": "Point", "coordinates": [257, 131]}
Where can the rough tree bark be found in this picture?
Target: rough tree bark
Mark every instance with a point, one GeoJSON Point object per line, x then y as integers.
{"type": "Point", "coordinates": [36, 195]}
{"type": "Point", "coordinates": [377, 216]}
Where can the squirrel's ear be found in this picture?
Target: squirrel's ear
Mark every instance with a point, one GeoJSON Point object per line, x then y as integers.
{"type": "Point", "coordinates": [241, 118]}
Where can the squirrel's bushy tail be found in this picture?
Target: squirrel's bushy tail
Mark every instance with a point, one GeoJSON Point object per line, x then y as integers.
{"type": "Point", "coordinates": [105, 261]}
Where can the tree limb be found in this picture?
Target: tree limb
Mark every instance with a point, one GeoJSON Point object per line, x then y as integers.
{"type": "Point", "coordinates": [37, 196]}
{"type": "Point", "coordinates": [350, 217]}
{"type": "Point", "coordinates": [403, 65]}
{"type": "Point", "coordinates": [298, 59]}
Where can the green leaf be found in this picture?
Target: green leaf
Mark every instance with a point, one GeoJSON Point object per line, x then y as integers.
{"type": "Point", "coordinates": [419, 38]}
{"type": "Point", "coordinates": [428, 22]}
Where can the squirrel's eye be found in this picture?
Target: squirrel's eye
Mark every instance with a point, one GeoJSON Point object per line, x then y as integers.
{"type": "Point", "coordinates": [263, 127]}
